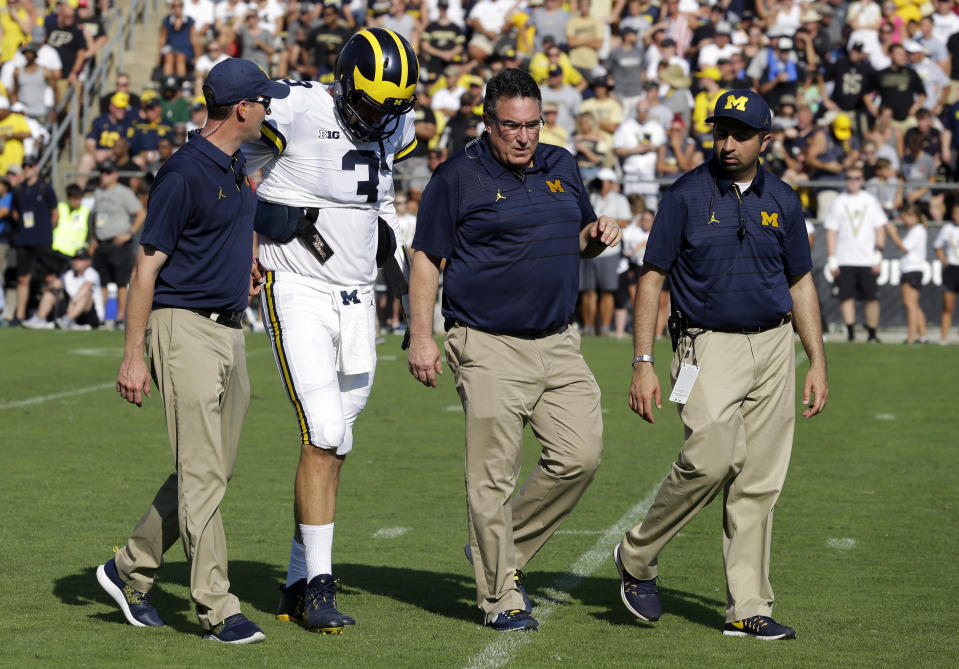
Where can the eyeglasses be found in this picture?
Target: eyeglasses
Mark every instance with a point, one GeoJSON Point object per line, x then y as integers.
{"type": "Point", "coordinates": [263, 101]}
{"type": "Point", "coordinates": [513, 128]}
{"type": "Point", "coordinates": [850, 177]}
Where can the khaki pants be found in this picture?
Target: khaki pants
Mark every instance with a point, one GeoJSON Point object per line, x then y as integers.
{"type": "Point", "coordinates": [739, 429]}
{"type": "Point", "coordinates": [504, 383]}
{"type": "Point", "coordinates": [199, 368]}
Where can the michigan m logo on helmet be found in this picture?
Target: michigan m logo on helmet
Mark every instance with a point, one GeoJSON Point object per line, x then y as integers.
{"type": "Point", "coordinates": [375, 83]}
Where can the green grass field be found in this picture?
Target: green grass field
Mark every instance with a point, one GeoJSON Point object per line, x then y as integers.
{"type": "Point", "coordinates": [864, 549]}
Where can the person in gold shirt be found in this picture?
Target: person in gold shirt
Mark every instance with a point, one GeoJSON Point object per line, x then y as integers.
{"type": "Point", "coordinates": [703, 105]}
{"type": "Point", "coordinates": [13, 130]}
{"type": "Point", "coordinates": [17, 18]}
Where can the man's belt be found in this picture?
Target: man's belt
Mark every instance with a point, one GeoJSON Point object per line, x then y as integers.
{"type": "Point", "coordinates": [747, 331]}
{"type": "Point", "coordinates": [231, 319]}
{"type": "Point", "coordinates": [529, 335]}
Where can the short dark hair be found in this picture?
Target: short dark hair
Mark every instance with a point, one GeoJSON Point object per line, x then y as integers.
{"type": "Point", "coordinates": [510, 83]}
{"type": "Point", "coordinates": [74, 191]}
{"type": "Point", "coordinates": [215, 112]}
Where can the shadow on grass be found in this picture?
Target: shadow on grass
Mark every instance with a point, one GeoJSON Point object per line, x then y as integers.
{"type": "Point", "coordinates": [450, 595]}
{"type": "Point", "coordinates": [255, 583]}
{"type": "Point", "coordinates": [445, 594]}
{"type": "Point", "coordinates": [603, 593]}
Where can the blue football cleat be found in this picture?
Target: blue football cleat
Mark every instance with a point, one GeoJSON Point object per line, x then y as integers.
{"type": "Point", "coordinates": [237, 629]}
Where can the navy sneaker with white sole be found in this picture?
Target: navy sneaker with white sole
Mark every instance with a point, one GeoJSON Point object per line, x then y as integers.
{"type": "Point", "coordinates": [516, 620]}
{"type": "Point", "coordinates": [237, 629]}
{"type": "Point", "coordinates": [518, 578]}
{"type": "Point", "coordinates": [759, 627]}
{"type": "Point", "coordinates": [640, 597]}
{"type": "Point", "coordinates": [135, 605]}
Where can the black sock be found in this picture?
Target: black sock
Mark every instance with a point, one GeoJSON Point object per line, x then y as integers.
{"type": "Point", "coordinates": [850, 332]}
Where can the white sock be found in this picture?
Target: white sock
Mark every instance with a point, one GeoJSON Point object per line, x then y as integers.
{"type": "Point", "coordinates": [297, 568]}
{"type": "Point", "coordinates": [318, 541]}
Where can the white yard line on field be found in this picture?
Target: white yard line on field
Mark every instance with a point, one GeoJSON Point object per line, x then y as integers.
{"type": "Point", "coordinates": [390, 532]}
{"type": "Point", "coordinates": [503, 649]}
{"type": "Point", "coordinates": [56, 396]}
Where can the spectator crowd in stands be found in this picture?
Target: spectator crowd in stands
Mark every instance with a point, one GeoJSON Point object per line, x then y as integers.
{"type": "Point", "coordinates": [626, 88]}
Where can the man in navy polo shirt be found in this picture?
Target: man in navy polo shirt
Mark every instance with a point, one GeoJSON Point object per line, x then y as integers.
{"type": "Point", "coordinates": [188, 292]}
{"type": "Point", "coordinates": [732, 239]}
{"type": "Point", "coordinates": [35, 210]}
{"type": "Point", "coordinates": [512, 219]}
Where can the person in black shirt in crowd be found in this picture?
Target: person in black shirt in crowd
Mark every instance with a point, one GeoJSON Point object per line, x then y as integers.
{"type": "Point", "coordinates": [900, 89]}
{"type": "Point", "coordinates": [852, 77]}
{"type": "Point", "coordinates": [64, 35]}
{"type": "Point", "coordinates": [327, 39]}
{"type": "Point", "coordinates": [442, 42]}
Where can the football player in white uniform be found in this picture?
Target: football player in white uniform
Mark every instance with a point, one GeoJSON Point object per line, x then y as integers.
{"type": "Point", "coordinates": [327, 156]}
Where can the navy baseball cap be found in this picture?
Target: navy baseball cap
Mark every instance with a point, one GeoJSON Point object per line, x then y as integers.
{"type": "Point", "coordinates": [745, 106]}
{"type": "Point", "coordinates": [237, 79]}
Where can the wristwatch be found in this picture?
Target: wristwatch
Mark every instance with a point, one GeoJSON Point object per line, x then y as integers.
{"type": "Point", "coordinates": [643, 358]}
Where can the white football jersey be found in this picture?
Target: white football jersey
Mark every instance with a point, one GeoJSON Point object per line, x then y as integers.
{"type": "Point", "coordinates": [309, 160]}
{"type": "Point", "coordinates": [855, 218]}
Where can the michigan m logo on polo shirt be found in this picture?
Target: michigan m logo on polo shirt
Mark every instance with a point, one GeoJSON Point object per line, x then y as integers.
{"type": "Point", "coordinates": [555, 186]}
{"type": "Point", "coordinates": [771, 219]}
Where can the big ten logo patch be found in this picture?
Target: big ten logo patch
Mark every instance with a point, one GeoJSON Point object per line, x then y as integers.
{"type": "Point", "coordinates": [329, 134]}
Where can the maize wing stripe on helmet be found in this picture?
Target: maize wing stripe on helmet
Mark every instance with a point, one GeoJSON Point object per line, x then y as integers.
{"type": "Point", "coordinates": [388, 83]}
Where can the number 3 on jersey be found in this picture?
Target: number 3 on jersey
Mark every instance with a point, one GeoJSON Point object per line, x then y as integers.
{"type": "Point", "coordinates": [369, 188]}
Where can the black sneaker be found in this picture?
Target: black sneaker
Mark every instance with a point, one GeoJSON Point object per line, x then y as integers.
{"type": "Point", "coordinates": [759, 627]}
{"type": "Point", "coordinates": [135, 605]}
{"type": "Point", "coordinates": [237, 629]}
{"type": "Point", "coordinates": [640, 597]}
{"type": "Point", "coordinates": [290, 607]}
{"type": "Point", "coordinates": [321, 614]}
{"type": "Point", "coordinates": [518, 578]}
{"type": "Point", "coordinates": [513, 621]}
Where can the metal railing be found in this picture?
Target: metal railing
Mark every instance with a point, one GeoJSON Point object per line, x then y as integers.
{"type": "Point", "coordinates": [79, 107]}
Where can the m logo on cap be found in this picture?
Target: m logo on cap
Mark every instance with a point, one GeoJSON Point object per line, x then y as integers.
{"type": "Point", "coordinates": [738, 103]}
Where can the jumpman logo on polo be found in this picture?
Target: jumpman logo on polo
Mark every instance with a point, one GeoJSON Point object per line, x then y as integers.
{"type": "Point", "coordinates": [499, 196]}
{"type": "Point", "coordinates": [220, 196]}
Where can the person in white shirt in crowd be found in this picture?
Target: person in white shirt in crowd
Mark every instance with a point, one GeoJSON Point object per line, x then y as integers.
{"type": "Point", "coordinates": [934, 79]}
{"type": "Point", "coordinates": [76, 294]}
{"type": "Point", "coordinates": [947, 249]}
{"type": "Point", "coordinates": [636, 143]}
{"type": "Point", "coordinates": [720, 47]}
{"type": "Point", "coordinates": [487, 19]}
{"type": "Point", "coordinates": [601, 274]}
{"type": "Point", "coordinates": [212, 54]}
{"type": "Point", "coordinates": [446, 100]}
{"type": "Point", "coordinates": [945, 22]}
{"type": "Point", "coordinates": [203, 14]}
{"type": "Point", "coordinates": [855, 236]}
{"type": "Point", "coordinates": [912, 267]}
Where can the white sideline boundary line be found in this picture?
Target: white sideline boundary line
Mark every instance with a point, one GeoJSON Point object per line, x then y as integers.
{"type": "Point", "coordinates": [56, 396]}
{"type": "Point", "coordinates": [503, 649]}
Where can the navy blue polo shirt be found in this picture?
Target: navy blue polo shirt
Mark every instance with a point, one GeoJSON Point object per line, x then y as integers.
{"type": "Point", "coordinates": [512, 245]}
{"type": "Point", "coordinates": [201, 215]}
{"type": "Point", "coordinates": [717, 280]}
{"type": "Point", "coordinates": [34, 204]}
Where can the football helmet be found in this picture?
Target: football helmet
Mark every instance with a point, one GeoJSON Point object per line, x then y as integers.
{"type": "Point", "coordinates": [374, 83]}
